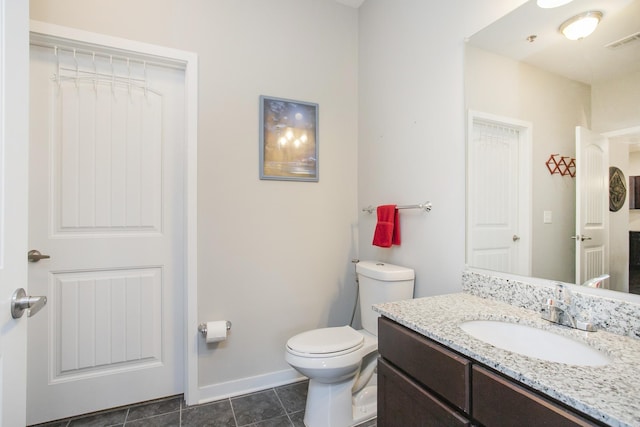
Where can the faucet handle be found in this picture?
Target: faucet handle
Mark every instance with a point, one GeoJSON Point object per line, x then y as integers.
{"type": "Point", "coordinates": [550, 311]}
{"type": "Point", "coordinates": [562, 293]}
{"type": "Point", "coordinates": [585, 326]}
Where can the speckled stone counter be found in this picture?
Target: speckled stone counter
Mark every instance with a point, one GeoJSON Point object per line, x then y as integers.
{"type": "Point", "coordinates": [608, 393]}
{"type": "Point", "coordinates": [612, 311]}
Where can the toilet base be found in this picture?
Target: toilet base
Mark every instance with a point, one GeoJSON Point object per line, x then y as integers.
{"type": "Point", "coordinates": [332, 405]}
{"type": "Point", "coordinates": [365, 404]}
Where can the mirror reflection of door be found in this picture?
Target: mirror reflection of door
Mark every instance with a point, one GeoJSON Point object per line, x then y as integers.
{"type": "Point", "coordinates": [498, 189]}
{"type": "Point", "coordinates": [592, 205]}
{"type": "Point", "coordinates": [558, 84]}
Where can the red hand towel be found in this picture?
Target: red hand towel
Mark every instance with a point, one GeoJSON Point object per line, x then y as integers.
{"type": "Point", "coordinates": [387, 231]}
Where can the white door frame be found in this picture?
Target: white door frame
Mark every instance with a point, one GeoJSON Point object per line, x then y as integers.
{"type": "Point", "coordinates": [189, 62]}
{"type": "Point", "coordinates": [14, 143]}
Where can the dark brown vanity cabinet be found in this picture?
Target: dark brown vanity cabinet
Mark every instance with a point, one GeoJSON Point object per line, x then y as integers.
{"type": "Point", "coordinates": [423, 383]}
{"type": "Point", "coordinates": [403, 402]}
{"type": "Point", "coordinates": [420, 382]}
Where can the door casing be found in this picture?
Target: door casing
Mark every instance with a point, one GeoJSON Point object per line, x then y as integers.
{"type": "Point", "coordinates": [14, 143]}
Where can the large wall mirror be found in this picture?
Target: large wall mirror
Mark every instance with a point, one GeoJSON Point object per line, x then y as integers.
{"type": "Point", "coordinates": [530, 86]}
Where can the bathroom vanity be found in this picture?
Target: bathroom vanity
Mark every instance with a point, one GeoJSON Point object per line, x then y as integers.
{"type": "Point", "coordinates": [421, 382]}
{"type": "Point", "coordinates": [431, 372]}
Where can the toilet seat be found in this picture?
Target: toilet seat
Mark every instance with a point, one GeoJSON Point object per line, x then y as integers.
{"type": "Point", "coordinates": [326, 342]}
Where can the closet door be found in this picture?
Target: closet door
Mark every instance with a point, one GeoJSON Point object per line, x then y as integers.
{"type": "Point", "coordinates": [498, 194]}
{"type": "Point", "coordinates": [107, 206]}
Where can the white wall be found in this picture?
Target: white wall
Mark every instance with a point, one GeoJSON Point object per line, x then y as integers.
{"type": "Point", "coordinates": [274, 257]}
{"type": "Point", "coordinates": [619, 223]}
{"type": "Point", "coordinates": [615, 103]}
{"type": "Point", "coordinates": [616, 107]}
{"type": "Point", "coordinates": [412, 129]}
{"type": "Point", "coordinates": [555, 106]}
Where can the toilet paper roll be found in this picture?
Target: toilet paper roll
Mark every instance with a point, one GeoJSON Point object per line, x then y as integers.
{"type": "Point", "coordinates": [216, 331]}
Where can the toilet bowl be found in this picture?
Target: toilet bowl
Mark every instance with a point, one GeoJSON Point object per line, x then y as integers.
{"type": "Point", "coordinates": [340, 361]}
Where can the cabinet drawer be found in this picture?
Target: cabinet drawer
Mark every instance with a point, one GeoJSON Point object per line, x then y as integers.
{"type": "Point", "coordinates": [403, 403]}
{"type": "Point", "coordinates": [429, 363]}
{"type": "Point", "coordinates": [499, 402]}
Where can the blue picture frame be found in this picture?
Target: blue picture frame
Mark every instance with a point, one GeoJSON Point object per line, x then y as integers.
{"type": "Point", "coordinates": [288, 140]}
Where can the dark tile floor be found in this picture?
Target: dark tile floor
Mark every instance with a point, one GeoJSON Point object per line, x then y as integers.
{"type": "Point", "coordinates": [275, 407]}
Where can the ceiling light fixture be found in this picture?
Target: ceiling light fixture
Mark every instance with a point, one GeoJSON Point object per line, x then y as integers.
{"type": "Point", "coordinates": [549, 4]}
{"type": "Point", "coordinates": [580, 26]}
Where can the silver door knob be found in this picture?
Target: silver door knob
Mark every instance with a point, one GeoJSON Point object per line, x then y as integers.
{"type": "Point", "coordinates": [21, 302]}
{"type": "Point", "coordinates": [515, 237]}
{"type": "Point", "coordinates": [35, 256]}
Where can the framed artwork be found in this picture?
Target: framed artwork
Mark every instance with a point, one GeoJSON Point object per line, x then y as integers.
{"type": "Point", "coordinates": [288, 140]}
{"type": "Point", "coordinates": [617, 189]}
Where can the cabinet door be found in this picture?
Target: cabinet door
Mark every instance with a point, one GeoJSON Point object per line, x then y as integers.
{"type": "Point", "coordinates": [403, 403]}
{"type": "Point", "coordinates": [499, 402]}
{"type": "Point", "coordinates": [429, 363]}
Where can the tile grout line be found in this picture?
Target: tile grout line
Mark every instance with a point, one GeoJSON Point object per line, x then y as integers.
{"type": "Point", "coordinates": [235, 420]}
{"type": "Point", "coordinates": [182, 409]}
{"type": "Point", "coordinates": [156, 415]}
{"type": "Point", "coordinates": [275, 390]}
{"type": "Point", "coordinates": [180, 417]}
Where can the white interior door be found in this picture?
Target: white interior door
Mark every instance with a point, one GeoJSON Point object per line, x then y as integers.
{"type": "Point", "coordinates": [499, 228]}
{"type": "Point", "coordinates": [592, 205]}
{"type": "Point", "coordinates": [14, 69]}
{"type": "Point", "coordinates": [107, 204]}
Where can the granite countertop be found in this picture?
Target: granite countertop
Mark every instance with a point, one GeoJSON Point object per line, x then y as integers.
{"type": "Point", "coordinates": [608, 393]}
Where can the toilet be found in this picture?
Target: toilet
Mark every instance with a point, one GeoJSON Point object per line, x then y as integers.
{"type": "Point", "coordinates": [340, 362]}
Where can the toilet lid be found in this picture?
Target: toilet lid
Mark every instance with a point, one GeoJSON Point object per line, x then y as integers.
{"type": "Point", "coordinates": [326, 341]}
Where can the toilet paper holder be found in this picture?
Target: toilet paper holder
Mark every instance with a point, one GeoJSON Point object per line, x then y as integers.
{"type": "Point", "coordinates": [202, 328]}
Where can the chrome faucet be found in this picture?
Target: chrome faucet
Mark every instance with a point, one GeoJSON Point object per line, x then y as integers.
{"type": "Point", "coordinates": [559, 310]}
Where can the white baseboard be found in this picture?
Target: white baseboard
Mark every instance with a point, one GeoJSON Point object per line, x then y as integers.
{"type": "Point", "coordinates": [213, 392]}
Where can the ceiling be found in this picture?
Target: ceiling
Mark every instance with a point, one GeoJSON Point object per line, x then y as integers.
{"type": "Point", "coordinates": [587, 60]}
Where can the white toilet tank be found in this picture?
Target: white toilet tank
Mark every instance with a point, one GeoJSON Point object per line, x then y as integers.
{"type": "Point", "coordinates": [380, 282]}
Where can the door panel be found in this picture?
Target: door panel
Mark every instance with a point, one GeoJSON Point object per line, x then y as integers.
{"type": "Point", "coordinates": [106, 321]}
{"type": "Point", "coordinates": [107, 152]}
{"type": "Point", "coordinates": [107, 204]}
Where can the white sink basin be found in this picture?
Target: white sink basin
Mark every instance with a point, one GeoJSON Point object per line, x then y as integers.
{"type": "Point", "coordinates": [533, 342]}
